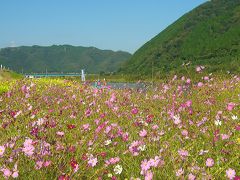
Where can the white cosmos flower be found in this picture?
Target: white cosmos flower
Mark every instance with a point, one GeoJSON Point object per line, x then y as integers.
{"type": "Point", "coordinates": [234, 117]}
{"type": "Point", "coordinates": [218, 122]}
{"type": "Point", "coordinates": [40, 121]}
{"type": "Point", "coordinates": [107, 142]}
{"type": "Point", "coordinates": [142, 147]}
{"type": "Point", "coordinates": [176, 119]}
{"type": "Point", "coordinates": [118, 169]}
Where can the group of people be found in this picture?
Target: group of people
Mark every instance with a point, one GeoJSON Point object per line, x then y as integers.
{"type": "Point", "coordinates": [99, 84]}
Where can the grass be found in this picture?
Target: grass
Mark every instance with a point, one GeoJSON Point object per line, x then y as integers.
{"type": "Point", "coordinates": [9, 75]}
{"type": "Point", "coordinates": [63, 129]}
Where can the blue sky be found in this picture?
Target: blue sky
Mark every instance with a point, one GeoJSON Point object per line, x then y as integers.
{"type": "Point", "coordinates": [106, 24]}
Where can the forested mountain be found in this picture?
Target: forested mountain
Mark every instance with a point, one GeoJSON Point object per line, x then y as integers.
{"type": "Point", "coordinates": [61, 58]}
{"type": "Point", "coordinates": [208, 35]}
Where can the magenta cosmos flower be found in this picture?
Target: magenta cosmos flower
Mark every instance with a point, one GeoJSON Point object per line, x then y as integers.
{"type": "Point", "coordinates": [134, 111]}
{"type": "Point", "coordinates": [230, 106]}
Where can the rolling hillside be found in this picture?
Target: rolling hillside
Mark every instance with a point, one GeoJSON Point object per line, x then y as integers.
{"type": "Point", "coordinates": [63, 58]}
{"type": "Point", "coordinates": [209, 35]}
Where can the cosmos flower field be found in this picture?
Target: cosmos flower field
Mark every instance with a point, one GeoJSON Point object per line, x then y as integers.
{"type": "Point", "coordinates": [180, 129]}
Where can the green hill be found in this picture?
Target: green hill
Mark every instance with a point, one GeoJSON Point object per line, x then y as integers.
{"type": "Point", "coordinates": [63, 58]}
{"type": "Point", "coordinates": [209, 35]}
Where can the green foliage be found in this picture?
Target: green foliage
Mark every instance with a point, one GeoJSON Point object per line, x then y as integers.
{"type": "Point", "coordinates": [64, 58]}
{"type": "Point", "coordinates": [3, 88]}
{"type": "Point", "coordinates": [208, 35]}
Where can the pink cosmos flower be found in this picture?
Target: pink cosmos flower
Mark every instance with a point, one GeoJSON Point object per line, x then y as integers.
{"type": "Point", "coordinates": [206, 78]}
{"type": "Point", "coordinates": [15, 174]}
{"type": "Point", "coordinates": [112, 161]}
{"type": "Point", "coordinates": [231, 173]}
{"type": "Point", "coordinates": [92, 161]}
{"type": "Point", "coordinates": [47, 163]}
{"type": "Point", "coordinates": [88, 112]}
{"type": "Point", "coordinates": [184, 132]}
{"type": "Point", "coordinates": [108, 129]}
{"type": "Point", "coordinates": [149, 175]}
{"type": "Point", "coordinates": [9, 94]}
{"type": "Point", "coordinates": [28, 142]}
{"type": "Point", "coordinates": [191, 177]}
{"type": "Point", "coordinates": [2, 150]}
{"type": "Point", "coordinates": [230, 106]}
{"type": "Point", "coordinates": [134, 147]}
{"type": "Point", "coordinates": [59, 147]}
{"type": "Point", "coordinates": [113, 98]}
{"type": "Point", "coordinates": [200, 84]}
{"type": "Point", "coordinates": [96, 121]}
{"type": "Point", "coordinates": [165, 87]}
{"type": "Point", "coordinates": [125, 136]}
{"type": "Point", "coordinates": [209, 162]}
{"type": "Point", "coordinates": [198, 69]}
{"type": "Point", "coordinates": [237, 127]}
{"type": "Point", "coordinates": [154, 127]}
{"type": "Point", "coordinates": [6, 172]}
{"type": "Point", "coordinates": [145, 166]}
{"type": "Point", "coordinates": [225, 136]}
{"type": "Point", "coordinates": [39, 165]}
{"type": "Point", "coordinates": [183, 153]}
{"type": "Point", "coordinates": [28, 148]}
{"type": "Point", "coordinates": [143, 133]}
{"type": "Point", "coordinates": [179, 172]}
{"type": "Point", "coordinates": [86, 127]}
{"type": "Point", "coordinates": [60, 133]}
{"type": "Point", "coordinates": [154, 162]}
{"type": "Point", "coordinates": [189, 103]}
